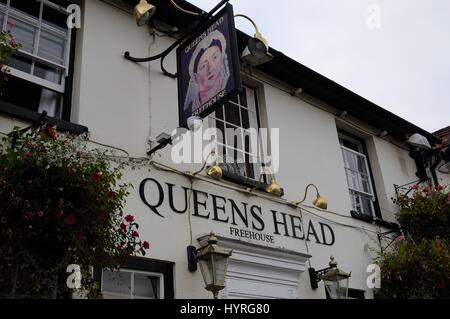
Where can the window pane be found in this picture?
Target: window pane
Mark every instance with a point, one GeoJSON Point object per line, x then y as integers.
{"type": "Point", "coordinates": [2, 18]}
{"type": "Point", "coordinates": [30, 8]}
{"type": "Point", "coordinates": [235, 99]}
{"type": "Point", "coordinates": [145, 286]}
{"type": "Point", "coordinates": [362, 165]}
{"type": "Point", "coordinates": [362, 204]}
{"type": "Point", "coordinates": [356, 202]}
{"type": "Point", "coordinates": [245, 119]}
{"type": "Point", "coordinates": [232, 114]}
{"type": "Point", "coordinates": [351, 145]}
{"type": "Point", "coordinates": [32, 96]}
{"type": "Point", "coordinates": [240, 147]}
{"type": "Point", "coordinates": [350, 160]}
{"type": "Point", "coordinates": [367, 205]}
{"type": "Point", "coordinates": [54, 18]}
{"type": "Point", "coordinates": [219, 112]}
{"type": "Point", "coordinates": [243, 98]}
{"type": "Point", "coordinates": [47, 73]}
{"type": "Point", "coordinates": [52, 47]}
{"type": "Point", "coordinates": [220, 126]}
{"type": "Point", "coordinates": [117, 282]}
{"type": "Point", "coordinates": [352, 180]}
{"type": "Point", "coordinates": [24, 34]}
{"type": "Point", "coordinates": [366, 186]}
{"type": "Point", "coordinates": [251, 143]}
{"type": "Point", "coordinates": [234, 137]}
{"type": "Point", "coordinates": [20, 63]}
{"type": "Point", "coordinates": [250, 165]}
{"type": "Point", "coordinates": [51, 102]}
{"type": "Point", "coordinates": [251, 100]}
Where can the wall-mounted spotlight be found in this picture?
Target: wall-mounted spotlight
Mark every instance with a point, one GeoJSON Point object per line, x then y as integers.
{"type": "Point", "coordinates": [163, 140]}
{"type": "Point", "coordinates": [383, 134]}
{"type": "Point", "coordinates": [274, 188]}
{"type": "Point", "coordinates": [297, 92]}
{"type": "Point", "coordinates": [419, 141]}
{"type": "Point", "coordinates": [194, 123]}
{"type": "Point", "coordinates": [343, 114]}
{"type": "Point", "coordinates": [143, 12]}
{"type": "Point", "coordinates": [213, 171]}
{"type": "Point", "coordinates": [257, 50]}
{"type": "Point", "coordinates": [319, 202]}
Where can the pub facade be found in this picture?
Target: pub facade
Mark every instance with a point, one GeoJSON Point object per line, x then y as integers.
{"type": "Point", "coordinates": [350, 151]}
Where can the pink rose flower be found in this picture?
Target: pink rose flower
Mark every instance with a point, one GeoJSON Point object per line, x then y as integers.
{"type": "Point", "coordinates": [50, 132]}
{"type": "Point", "coordinates": [112, 194]}
{"type": "Point", "coordinates": [96, 177]}
{"type": "Point", "coordinates": [71, 220]}
{"type": "Point", "coordinates": [101, 215]}
{"type": "Point", "coordinates": [11, 24]}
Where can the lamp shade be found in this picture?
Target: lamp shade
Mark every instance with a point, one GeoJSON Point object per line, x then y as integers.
{"type": "Point", "coordinates": [213, 261]}
{"type": "Point", "coordinates": [336, 281]}
{"type": "Point", "coordinates": [143, 12]}
{"type": "Point", "coordinates": [214, 270]}
{"type": "Point", "coordinates": [320, 202]}
{"type": "Point", "coordinates": [274, 188]}
{"type": "Point", "coordinates": [256, 52]}
{"type": "Point", "coordinates": [419, 141]}
{"type": "Point", "coordinates": [194, 123]}
{"type": "Point", "coordinates": [215, 172]}
{"type": "Point", "coordinates": [336, 284]}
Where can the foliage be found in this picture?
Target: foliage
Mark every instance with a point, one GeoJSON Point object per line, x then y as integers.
{"type": "Point", "coordinates": [418, 265]}
{"type": "Point", "coordinates": [60, 204]}
{"type": "Point", "coordinates": [426, 214]}
{"type": "Point", "coordinates": [417, 270]}
{"type": "Point", "coordinates": [8, 47]}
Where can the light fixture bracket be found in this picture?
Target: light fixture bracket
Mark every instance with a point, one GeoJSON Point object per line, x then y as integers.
{"type": "Point", "coordinates": [315, 276]}
{"type": "Point", "coordinates": [196, 26]}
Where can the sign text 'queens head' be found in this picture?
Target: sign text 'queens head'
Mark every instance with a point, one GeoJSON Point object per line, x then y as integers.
{"type": "Point", "coordinates": [245, 220]}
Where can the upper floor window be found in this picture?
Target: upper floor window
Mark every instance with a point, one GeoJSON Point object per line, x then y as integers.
{"type": "Point", "coordinates": [40, 70]}
{"type": "Point", "coordinates": [240, 149]}
{"type": "Point", "coordinates": [359, 181]}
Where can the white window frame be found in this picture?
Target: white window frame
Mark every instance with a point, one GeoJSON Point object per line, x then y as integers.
{"type": "Point", "coordinates": [353, 191]}
{"type": "Point", "coordinates": [30, 77]}
{"type": "Point", "coordinates": [253, 119]}
{"type": "Point", "coordinates": [133, 272]}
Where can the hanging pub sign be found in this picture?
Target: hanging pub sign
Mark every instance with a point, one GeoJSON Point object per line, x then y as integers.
{"type": "Point", "coordinates": [208, 68]}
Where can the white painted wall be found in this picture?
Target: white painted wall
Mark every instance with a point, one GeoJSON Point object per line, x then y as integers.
{"type": "Point", "coordinates": [124, 104]}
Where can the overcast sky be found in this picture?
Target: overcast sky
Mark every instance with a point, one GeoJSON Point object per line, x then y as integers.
{"type": "Point", "coordinates": [398, 59]}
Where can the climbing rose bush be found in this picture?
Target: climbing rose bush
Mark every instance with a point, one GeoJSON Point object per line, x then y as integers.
{"type": "Point", "coordinates": [418, 265]}
{"type": "Point", "coordinates": [8, 47]}
{"type": "Point", "coordinates": [426, 213]}
{"type": "Point", "coordinates": [60, 204]}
